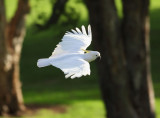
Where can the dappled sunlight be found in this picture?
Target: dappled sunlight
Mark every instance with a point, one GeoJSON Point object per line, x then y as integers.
{"type": "Point", "coordinates": [158, 107]}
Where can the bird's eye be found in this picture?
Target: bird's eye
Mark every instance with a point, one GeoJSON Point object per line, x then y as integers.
{"type": "Point", "coordinates": [96, 55]}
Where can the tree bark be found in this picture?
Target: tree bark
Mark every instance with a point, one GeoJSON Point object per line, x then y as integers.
{"type": "Point", "coordinates": [11, 39]}
{"type": "Point", "coordinates": [124, 69]}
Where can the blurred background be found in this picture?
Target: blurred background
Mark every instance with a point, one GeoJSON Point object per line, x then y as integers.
{"type": "Point", "coordinates": [46, 93]}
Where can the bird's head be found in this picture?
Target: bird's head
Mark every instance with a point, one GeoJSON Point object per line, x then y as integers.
{"type": "Point", "coordinates": [95, 54]}
{"type": "Point", "coordinates": [92, 55]}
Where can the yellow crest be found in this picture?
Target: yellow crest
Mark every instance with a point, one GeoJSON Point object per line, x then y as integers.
{"type": "Point", "coordinates": [86, 51]}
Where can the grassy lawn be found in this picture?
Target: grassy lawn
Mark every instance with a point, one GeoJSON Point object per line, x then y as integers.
{"type": "Point", "coordinates": [78, 98]}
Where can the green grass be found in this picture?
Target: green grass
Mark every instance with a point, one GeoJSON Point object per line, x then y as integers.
{"type": "Point", "coordinates": [78, 109]}
{"type": "Point", "coordinates": [47, 85]}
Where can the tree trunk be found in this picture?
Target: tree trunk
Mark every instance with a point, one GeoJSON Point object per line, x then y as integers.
{"type": "Point", "coordinates": [11, 39]}
{"type": "Point", "coordinates": [124, 70]}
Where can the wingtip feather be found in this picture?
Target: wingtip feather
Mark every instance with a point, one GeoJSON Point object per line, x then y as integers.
{"type": "Point", "coordinates": [78, 31]}
{"type": "Point", "coordinates": [89, 30]}
{"type": "Point", "coordinates": [74, 31]}
{"type": "Point", "coordinates": [83, 30]}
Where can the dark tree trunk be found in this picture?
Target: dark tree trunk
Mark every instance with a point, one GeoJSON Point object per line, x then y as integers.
{"type": "Point", "coordinates": [125, 77]}
{"type": "Point", "coordinates": [11, 39]}
{"type": "Point", "coordinates": [57, 9]}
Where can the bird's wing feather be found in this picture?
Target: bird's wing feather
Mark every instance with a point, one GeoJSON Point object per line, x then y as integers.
{"type": "Point", "coordinates": [74, 42]}
{"type": "Point", "coordinates": [72, 66]}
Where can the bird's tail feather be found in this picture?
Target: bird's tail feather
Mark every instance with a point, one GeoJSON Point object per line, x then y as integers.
{"type": "Point", "coordinates": [43, 62]}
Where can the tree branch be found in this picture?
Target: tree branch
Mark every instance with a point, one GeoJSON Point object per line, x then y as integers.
{"type": "Point", "coordinates": [16, 24]}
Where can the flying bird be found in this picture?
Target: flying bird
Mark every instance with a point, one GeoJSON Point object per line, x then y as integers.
{"type": "Point", "coordinates": [71, 55]}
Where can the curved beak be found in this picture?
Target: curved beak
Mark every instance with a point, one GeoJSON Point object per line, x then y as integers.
{"type": "Point", "coordinates": [99, 58]}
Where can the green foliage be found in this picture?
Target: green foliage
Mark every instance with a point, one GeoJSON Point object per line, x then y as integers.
{"type": "Point", "coordinates": [75, 12]}
{"type": "Point", "coordinates": [155, 57]}
{"type": "Point", "coordinates": [47, 85]}
{"type": "Point", "coordinates": [11, 6]}
{"type": "Point", "coordinates": [69, 16]}
{"type": "Point", "coordinates": [40, 11]}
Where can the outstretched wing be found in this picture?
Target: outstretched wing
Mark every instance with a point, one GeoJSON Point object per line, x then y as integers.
{"type": "Point", "coordinates": [74, 42]}
{"type": "Point", "coordinates": [72, 66]}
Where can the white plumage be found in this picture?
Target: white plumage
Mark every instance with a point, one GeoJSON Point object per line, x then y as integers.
{"type": "Point", "coordinates": [70, 56]}
{"type": "Point", "coordinates": [74, 42]}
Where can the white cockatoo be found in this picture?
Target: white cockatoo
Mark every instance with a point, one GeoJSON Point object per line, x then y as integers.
{"type": "Point", "coordinates": [71, 55]}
